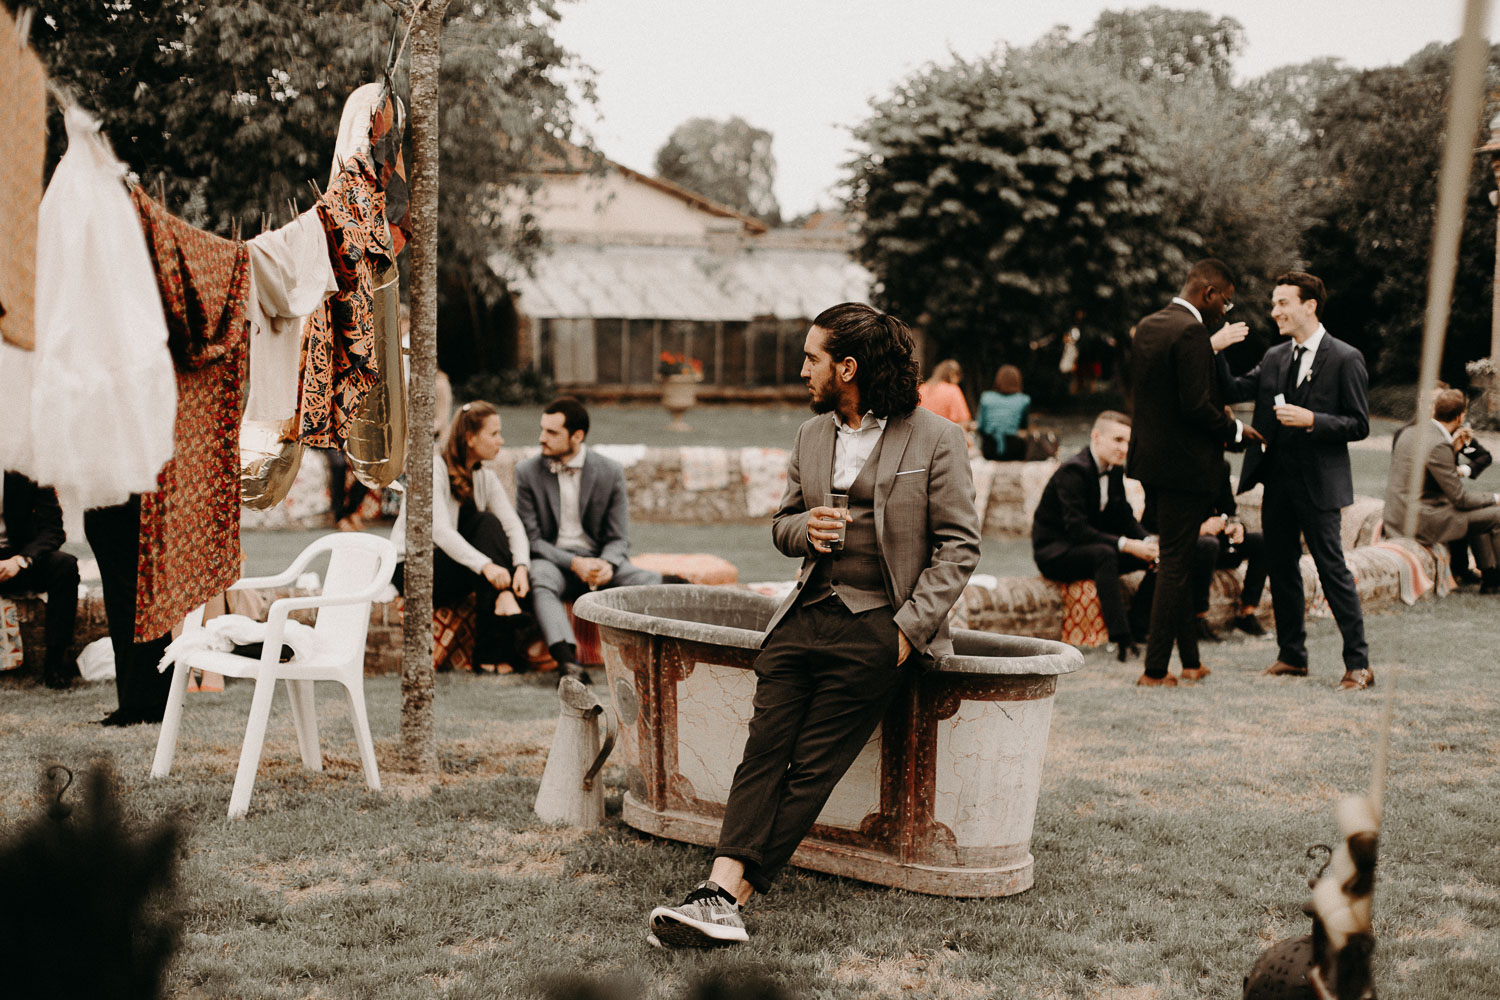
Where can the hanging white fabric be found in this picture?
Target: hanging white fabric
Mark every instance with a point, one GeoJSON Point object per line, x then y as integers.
{"type": "Point", "coordinates": [290, 274]}
{"type": "Point", "coordinates": [98, 411]}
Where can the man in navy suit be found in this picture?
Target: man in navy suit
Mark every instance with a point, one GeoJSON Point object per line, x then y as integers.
{"type": "Point", "coordinates": [1311, 400]}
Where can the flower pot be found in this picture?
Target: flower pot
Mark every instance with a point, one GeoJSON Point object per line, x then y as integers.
{"type": "Point", "coordinates": [679, 393]}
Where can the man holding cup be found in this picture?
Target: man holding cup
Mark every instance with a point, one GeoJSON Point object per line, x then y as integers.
{"type": "Point", "coordinates": [879, 504]}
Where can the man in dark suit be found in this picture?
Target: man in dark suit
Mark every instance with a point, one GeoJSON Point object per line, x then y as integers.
{"type": "Point", "coordinates": [864, 613]}
{"type": "Point", "coordinates": [31, 537]}
{"type": "Point", "coordinates": [1445, 510]}
{"type": "Point", "coordinates": [1177, 452]}
{"type": "Point", "coordinates": [1084, 529]}
{"type": "Point", "coordinates": [1311, 400]}
{"type": "Point", "coordinates": [576, 511]}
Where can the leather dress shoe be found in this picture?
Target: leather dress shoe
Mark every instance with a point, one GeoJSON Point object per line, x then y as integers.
{"type": "Point", "coordinates": [1147, 681]}
{"type": "Point", "coordinates": [129, 717]}
{"type": "Point", "coordinates": [1249, 624]}
{"type": "Point", "coordinates": [1195, 673]}
{"type": "Point", "coordinates": [1282, 669]}
{"type": "Point", "coordinates": [57, 681]}
{"type": "Point", "coordinates": [1125, 650]}
{"type": "Point", "coordinates": [1355, 680]}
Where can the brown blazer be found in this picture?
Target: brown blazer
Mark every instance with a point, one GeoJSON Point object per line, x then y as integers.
{"type": "Point", "coordinates": [1443, 498]}
{"type": "Point", "coordinates": [926, 527]}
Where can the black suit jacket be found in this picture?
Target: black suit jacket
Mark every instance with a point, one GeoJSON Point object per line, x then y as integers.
{"type": "Point", "coordinates": [33, 519]}
{"type": "Point", "coordinates": [1180, 426]}
{"type": "Point", "coordinates": [1336, 390]}
{"type": "Point", "coordinates": [1068, 515]}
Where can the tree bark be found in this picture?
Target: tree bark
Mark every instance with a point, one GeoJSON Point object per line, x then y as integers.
{"type": "Point", "coordinates": [418, 721]}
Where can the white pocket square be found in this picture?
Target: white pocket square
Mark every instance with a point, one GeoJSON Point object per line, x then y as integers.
{"type": "Point", "coordinates": [910, 472]}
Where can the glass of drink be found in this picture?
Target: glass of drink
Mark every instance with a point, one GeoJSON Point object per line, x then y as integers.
{"type": "Point", "coordinates": [840, 502]}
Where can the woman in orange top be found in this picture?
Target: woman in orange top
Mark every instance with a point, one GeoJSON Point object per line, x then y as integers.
{"type": "Point", "coordinates": [941, 394]}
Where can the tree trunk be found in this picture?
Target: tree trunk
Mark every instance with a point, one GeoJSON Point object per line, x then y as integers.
{"type": "Point", "coordinates": [418, 730]}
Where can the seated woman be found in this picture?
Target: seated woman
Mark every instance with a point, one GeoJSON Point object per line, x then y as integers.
{"type": "Point", "coordinates": [479, 544]}
{"type": "Point", "coordinates": [942, 394]}
{"type": "Point", "coordinates": [1003, 412]}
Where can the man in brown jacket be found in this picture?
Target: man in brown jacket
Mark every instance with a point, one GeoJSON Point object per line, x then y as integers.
{"type": "Point", "coordinates": [1446, 511]}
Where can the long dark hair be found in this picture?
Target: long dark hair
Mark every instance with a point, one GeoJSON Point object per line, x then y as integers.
{"type": "Point", "coordinates": [884, 350]}
{"type": "Point", "coordinates": [468, 420]}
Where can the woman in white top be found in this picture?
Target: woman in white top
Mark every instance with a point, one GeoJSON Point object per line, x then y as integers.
{"type": "Point", "coordinates": [479, 544]}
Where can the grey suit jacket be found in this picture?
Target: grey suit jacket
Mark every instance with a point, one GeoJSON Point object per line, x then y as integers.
{"type": "Point", "coordinates": [1442, 499]}
{"type": "Point", "coordinates": [603, 508]}
{"type": "Point", "coordinates": [925, 524]}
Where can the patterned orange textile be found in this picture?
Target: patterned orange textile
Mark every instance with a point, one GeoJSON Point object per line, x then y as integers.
{"type": "Point", "coordinates": [453, 636]}
{"type": "Point", "coordinates": [190, 527]}
{"type": "Point", "coordinates": [1083, 618]}
{"type": "Point", "coordinates": [338, 350]}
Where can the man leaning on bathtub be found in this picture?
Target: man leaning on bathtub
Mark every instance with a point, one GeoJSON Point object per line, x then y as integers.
{"type": "Point", "coordinates": [860, 621]}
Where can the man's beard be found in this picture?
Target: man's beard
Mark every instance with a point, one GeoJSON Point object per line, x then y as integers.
{"type": "Point", "coordinates": [822, 404]}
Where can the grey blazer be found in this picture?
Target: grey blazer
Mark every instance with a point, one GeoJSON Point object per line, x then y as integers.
{"type": "Point", "coordinates": [1442, 500]}
{"type": "Point", "coordinates": [925, 524]}
{"type": "Point", "coordinates": [603, 507]}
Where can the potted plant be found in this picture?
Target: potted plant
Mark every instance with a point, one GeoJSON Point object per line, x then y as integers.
{"type": "Point", "coordinates": [679, 393]}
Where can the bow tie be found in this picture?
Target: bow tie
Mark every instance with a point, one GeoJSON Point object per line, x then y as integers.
{"type": "Point", "coordinates": [561, 468]}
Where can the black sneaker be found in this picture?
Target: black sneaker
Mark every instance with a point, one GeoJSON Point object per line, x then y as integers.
{"type": "Point", "coordinates": [708, 918]}
{"type": "Point", "coordinates": [1250, 625]}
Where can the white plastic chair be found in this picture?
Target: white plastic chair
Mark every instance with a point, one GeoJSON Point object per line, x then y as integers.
{"type": "Point", "coordinates": [359, 568]}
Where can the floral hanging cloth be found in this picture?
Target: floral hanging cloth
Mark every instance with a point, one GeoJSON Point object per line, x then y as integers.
{"type": "Point", "coordinates": [338, 352]}
{"type": "Point", "coordinates": [190, 527]}
{"type": "Point", "coordinates": [387, 126]}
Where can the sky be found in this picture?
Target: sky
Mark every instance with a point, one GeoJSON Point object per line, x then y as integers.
{"type": "Point", "coordinates": [806, 70]}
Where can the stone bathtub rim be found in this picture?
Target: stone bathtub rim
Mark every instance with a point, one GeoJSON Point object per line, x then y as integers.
{"type": "Point", "coordinates": [1012, 654]}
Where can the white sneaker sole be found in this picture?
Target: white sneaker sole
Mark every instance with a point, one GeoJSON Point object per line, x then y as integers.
{"type": "Point", "coordinates": [673, 930]}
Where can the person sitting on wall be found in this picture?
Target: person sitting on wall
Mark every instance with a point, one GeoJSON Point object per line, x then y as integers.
{"type": "Point", "coordinates": [1446, 511]}
{"type": "Point", "coordinates": [479, 545]}
{"type": "Point", "coordinates": [1084, 529]}
{"type": "Point", "coordinates": [1003, 412]}
{"type": "Point", "coordinates": [577, 515]}
{"type": "Point", "coordinates": [31, 560]}
{"type": "Point", "coordinates": [942, 395]}
{"type": "Point", "coordinates": [1223, 543]}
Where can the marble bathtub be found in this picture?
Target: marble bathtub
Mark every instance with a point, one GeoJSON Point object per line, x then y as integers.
{"type": "Point", "coordinates": [943, 797]}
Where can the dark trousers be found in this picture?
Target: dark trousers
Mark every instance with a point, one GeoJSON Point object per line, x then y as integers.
{"type": "Point", "coordinates": [114, 535]}
{"type": "Point", "coordinates": [452, 581]}
{"type": "Point", "coordinates": [1288, 516]}
{"type": "Point", "coordinates": [1105, 564]}
{"type": "Point", "coordinates": [344, 495]}
{"type": "Point", "coordinates": [1178, 516]}
{"type": "Point", "coordinates": [56, 575]}
{"type": "Point", "coordinates": [823, 682]}
{"type": "Point", "coordinates": [1214, 552]}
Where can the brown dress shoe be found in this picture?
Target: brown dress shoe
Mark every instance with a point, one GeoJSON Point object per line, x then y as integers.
{"type": "Point", "coordinates": [1147, 681]}
{"type": "Point", "coordinates": [1195, 673]}
{"type": "Point", "coordinates": [1355, 680]}
{"type": "Point", "coordinates": [1280, 669]}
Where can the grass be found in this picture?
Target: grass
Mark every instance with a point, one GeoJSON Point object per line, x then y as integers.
{"type": "Point", "coordinates": [1169, 843]}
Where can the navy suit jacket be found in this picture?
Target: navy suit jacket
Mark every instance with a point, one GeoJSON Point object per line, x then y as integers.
{"type": "Point", "coordinates": [603, 508]}
{"type": "Point", "coordinates": [1336, 390]}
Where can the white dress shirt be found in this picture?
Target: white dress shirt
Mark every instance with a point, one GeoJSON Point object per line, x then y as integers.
{"type": "Point", "coordinates": [570, 533]}
{"type": "Point", "coordinates": [851, 449]}
{"type": "Point", "coordinates": [1309, 351]}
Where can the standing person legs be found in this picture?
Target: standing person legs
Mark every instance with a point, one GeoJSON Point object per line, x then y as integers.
{"type": "Point", "coordinates": [114, 535]}
{"type": "Point", "coordinates": [1179, 515]}
{"type": "Point", "coordinates": [1321, 529]}
{"type": "Point", "coordinates": [1279, 518]}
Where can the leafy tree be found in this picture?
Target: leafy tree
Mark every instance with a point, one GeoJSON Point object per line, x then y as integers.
{"type": "Point", "coordinates": [728, 161]}
{"type": "Point", "coordinates": [1000, 197]}
{"type": "Point", "coordinates": [1377, 140]}
{"type": "Point", "coordinates": [1165, 45]}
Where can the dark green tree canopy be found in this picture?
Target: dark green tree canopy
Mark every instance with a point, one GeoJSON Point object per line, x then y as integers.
{"type": "Point", "coordinates": [1162, 44]}
{"type": "Point", "coordinates": [998, 198]}
{"type": "Point", "coordinates": [729, 161]}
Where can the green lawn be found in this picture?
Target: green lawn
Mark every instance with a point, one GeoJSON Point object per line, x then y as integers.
{"type": "Point", "coordinates": [1169, 843]}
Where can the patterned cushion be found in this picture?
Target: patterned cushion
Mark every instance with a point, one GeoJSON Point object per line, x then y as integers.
{"type": "Point", "coordinates": [1083, 618]}
{"type": "Point", "coordinates": [11, 653]}
{"type": "Point", "coordinates": [453, 636]}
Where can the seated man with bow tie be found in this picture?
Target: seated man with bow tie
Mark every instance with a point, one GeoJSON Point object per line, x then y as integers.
{"type": "Point", "coordinates": [1084, 529]}
{"type": "Point", "coordinates": [576, 512]}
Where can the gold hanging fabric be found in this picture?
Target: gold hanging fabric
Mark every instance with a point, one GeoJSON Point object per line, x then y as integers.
{"type": "Point", "coordinates": [376, 444]}
{"type": "Point", "coordinates": [268, 463]}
